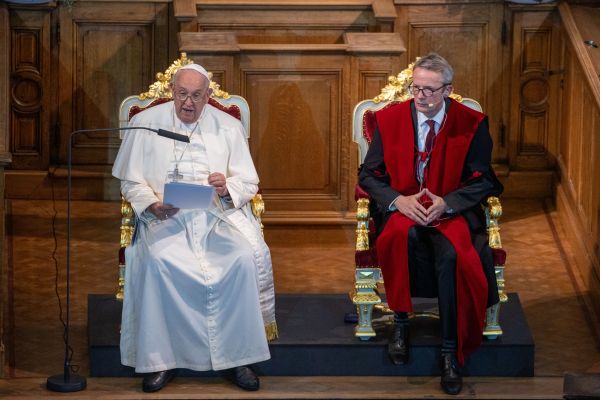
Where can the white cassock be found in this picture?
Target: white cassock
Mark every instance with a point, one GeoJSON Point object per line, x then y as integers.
{"type": "Point", "coordinates": [199, 285]}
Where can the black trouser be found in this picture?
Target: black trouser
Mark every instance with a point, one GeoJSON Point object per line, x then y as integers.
{"type": "Point", "coordinates": [432, 268]}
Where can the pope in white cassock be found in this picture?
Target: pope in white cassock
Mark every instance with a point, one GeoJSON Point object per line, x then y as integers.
{"type": "Point", "coordinates": [198, 285]}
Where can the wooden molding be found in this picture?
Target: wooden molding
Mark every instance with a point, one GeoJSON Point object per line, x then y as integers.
{"type": "Point", "coordinates": [4, 78]}
{"type": "Point", "coordinates": [198, 42]}
{"type": "Point", "coordinates": [354, 42]}
{"type": "Point", "coordinates": [384, 10]}
{"type": "Point", "coordinates": [185, 10]}
{"type": "Point", "coordinates": [367, 42]}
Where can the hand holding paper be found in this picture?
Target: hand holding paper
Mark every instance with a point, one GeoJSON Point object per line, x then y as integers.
{"type": "Point", "coordinates": [218, 180]}
{"type": "Point", "coordinates": [162, 211]}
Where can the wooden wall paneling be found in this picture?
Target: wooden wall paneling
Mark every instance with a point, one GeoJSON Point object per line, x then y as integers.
{"type": "Point", "coordinates": [96, 77]}
{"type": "Point", "coordinates": [591, 162]}
{"type": "Point", "coordinates": [30, 93]}
{"type": "Point", "coordinates": [4, 140]}
{"type": "Point", "coordinates": [297, 128]}
{"type": "Point", "coordinates": [576, 127]}
{"type": "Point", "coordinates": [534, 89]}
{"type": "Point", "coordinates": [5, 66]}
{"type": "Point", "coordinates": [578, 195]}
{"type": "Point", "coordinates": [569, 122]}
{"type": "Point", "coordinates": [315, 23]}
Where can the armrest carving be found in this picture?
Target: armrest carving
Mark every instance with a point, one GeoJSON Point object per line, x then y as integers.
{"type": "Point", "coordinates": [362, 225]}
{"type": "Point", "coordinates": [258, 208]}
{"type": "Point", "coordinates": [493, 212]}
{"type": "Point", "coordinates": [127, 223]}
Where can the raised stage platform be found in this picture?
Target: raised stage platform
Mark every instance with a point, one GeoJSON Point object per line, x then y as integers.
{"type": "Point", "coordinates": [315, 340]}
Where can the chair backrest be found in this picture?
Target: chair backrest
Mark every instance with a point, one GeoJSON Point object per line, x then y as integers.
{"type": "Point", "coordinates": [363, 117]}
{"type": "Point", "coordinates": [159, 92]}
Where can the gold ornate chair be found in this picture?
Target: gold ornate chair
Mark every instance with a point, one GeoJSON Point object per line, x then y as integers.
{"type": "Point", "coordinates": [159, 92]}
{"type": "Point", "coordinates": [368, 274]}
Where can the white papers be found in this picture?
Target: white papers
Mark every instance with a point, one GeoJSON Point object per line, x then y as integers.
{"type": "Point", "coordinates": [188, 196]}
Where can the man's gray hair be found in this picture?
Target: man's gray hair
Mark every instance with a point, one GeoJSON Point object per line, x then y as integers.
{"type": "Point", "coordinates": [437, 63]}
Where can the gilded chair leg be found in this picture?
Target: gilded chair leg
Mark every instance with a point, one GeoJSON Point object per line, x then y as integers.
{"type": "Point", "coordinates": [364, 329]}
{"type": "Point", "coordinates": [492, 326]}
{"type": "Point", "coordinates": [492, 322]}
{"type": "Point", "coordinates": [365, 297]}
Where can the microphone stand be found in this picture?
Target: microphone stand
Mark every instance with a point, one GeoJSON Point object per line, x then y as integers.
{"type": "Point", "coordinates": [67, 381]}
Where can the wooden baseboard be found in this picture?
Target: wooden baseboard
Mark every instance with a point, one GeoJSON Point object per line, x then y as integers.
{"type": "Point", "coordinates": [87, 183]}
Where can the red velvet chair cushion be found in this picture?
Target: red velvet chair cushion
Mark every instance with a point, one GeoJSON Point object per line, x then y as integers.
{"type": "Point", "coordinates": [136, 109]}
{"type": "Point", "coordinates": [366, 258]}
{"type": "Point", "coordinates": [232, 110]}
{"type": "Point", "coordinates": [499, 256]}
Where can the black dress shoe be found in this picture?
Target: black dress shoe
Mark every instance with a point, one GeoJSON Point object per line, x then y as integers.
{"type": "Point", "coordinates": [244, 377]}
{"type": "Point", "coordinates": [157, 380]}
{"type": "Point", "coordinates": [398, 345]}
{"type": "Point", "coordinates": [451, 377]}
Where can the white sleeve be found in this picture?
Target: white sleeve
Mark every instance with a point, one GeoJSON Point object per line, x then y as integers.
{"type": "Point", "coordinates": [139, 195]}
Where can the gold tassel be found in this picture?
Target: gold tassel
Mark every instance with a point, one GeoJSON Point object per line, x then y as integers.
{"type": "Point", "coordinates": [271, 331]}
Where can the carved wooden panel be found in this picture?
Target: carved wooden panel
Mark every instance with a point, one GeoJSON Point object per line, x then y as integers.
{"type": "Point", "coordinates": [580, 149]}
{"type": "Point", "coordinates": [296, 132]}
{"type": "Point", "coordinates": [371, 83]}
{"type": "Point", "coordinates": [116, 52]}
{"type": "Point", "coordinates": [30, 89]}
{"type": "Point", "coordinates": [534, 88]}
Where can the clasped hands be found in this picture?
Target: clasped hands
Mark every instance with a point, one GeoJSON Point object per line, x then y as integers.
{"type": "Point", "coordinates": [423, 207]}
{"type": "Point", "coordinates": [165, 211]}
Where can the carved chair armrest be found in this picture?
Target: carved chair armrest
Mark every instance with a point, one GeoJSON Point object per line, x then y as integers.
{"type": "Point", "coordinates": [127, 231]}
{"type": "Point", "coordinates": [258, 208]}
{"type": "Point", "coordinates": [493, 212]}
{"type": "Point", "coordinates": [365, 254]}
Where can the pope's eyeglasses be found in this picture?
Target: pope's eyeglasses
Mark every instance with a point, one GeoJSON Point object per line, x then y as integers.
{"type": "Point", "coordinates": [183, 96]}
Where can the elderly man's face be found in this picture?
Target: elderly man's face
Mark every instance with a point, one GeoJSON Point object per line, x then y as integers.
{"type": "Point", "coordinates": [432, 82]}
{"type": "Point", "coordinates": [190, 93]}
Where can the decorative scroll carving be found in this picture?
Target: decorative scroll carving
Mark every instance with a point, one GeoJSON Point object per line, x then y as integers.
{"type": "Point", "coordinates": [161, 87]}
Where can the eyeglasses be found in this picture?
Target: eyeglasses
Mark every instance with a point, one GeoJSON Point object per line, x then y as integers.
{"type": "Point", "coordinates": [183, 96]}
{"type": "Point", "coordinates": [427, 92]}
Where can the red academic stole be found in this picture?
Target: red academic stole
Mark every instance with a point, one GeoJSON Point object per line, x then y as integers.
{"type": "Point", "coordinates": [443, 176]}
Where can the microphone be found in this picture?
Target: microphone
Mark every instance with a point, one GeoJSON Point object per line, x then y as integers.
{"type": "Point", "coordinates": [168, 134]}
{"type": "Point", "coordinates": [68, 382]}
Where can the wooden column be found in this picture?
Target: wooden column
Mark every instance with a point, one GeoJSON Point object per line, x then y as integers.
{"type": "Point", "coordinates": [5, 159]}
